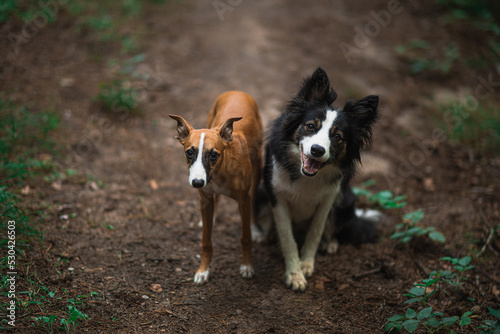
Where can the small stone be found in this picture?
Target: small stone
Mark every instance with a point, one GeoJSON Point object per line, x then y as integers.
{"type": "Point", "coordinates": [156, 288]}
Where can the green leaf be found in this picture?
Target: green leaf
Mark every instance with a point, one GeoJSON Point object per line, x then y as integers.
{"type": "Point", "coordinates": [493, 312]}
{"type": "Point", "coordinates": [411, 325]}
{"type": "Point", "coordinates": [410, 313]}
{"type": "Point", "coordinates": [437, 236]}
{"type": "Point", "coordinates": [425, 313]}
{"type": "Point", "coordinates": [368, 183]}
{"type": "Point", "coordinates": [397, 235]}
{"type": "Point", "coordinates": [429, 281]}
{"type": "Point", "coordinates": [417, 291]}
{"type": "Point", "coordinates": [414, 216]}
{"type": "Point", "coordinates": [396, 318]}
{"type": "Point", "coordinates": [464, 321]}
{"type": "Point", "coordinates": [433, 322]}
{"type": "Point", "coordinates": [413, 300]}
{"type": "Point", "coordinates": [393, 326]}
{"type": "Point", "coordinates": [414, 230]}
{"type": "Point", "coordinates": [406, 239]}
{"type": "Point", "coordinates": [448, 321]}
{"type": "Point", "coordinates": [465, 261]}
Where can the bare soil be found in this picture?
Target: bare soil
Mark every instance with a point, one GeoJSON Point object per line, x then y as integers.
{"type": "Point", "coordinates": [140, 228]}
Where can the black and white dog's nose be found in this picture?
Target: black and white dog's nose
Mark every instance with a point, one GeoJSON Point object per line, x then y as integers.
{"type": "Point", "coordinates": [317, 151]}
{"type": "Point", "coordinates": [198, 183]}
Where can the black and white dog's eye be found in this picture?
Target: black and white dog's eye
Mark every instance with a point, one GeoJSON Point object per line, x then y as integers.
{"type": "Point", "coordinates": [214, 155]}
{"type": "Point", "coordinates": [189, 153]}
{"type": "Point", "coordinates": [338, 137]}
{"type": "Point", "coordinates": [310, 127]}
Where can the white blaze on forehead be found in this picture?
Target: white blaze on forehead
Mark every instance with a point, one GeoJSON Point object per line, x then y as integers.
{"type": "Point", "coordinates": [321, 138]}
{"type": "Point", "coordinates": [197, 171]}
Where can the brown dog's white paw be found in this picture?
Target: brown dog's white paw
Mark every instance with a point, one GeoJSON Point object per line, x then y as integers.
{"type": "Point", "coordinates": [246, 271]}
{"type": "Point", "coordinates": [201, 277]}
{"type": "Point", "coordinates": [296, 281]}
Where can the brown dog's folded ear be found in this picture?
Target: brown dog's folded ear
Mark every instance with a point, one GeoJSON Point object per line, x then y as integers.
{"type": "Point", "coordinates": [226, 129]}
{"type": "Point", "coordinates": [183, 128]}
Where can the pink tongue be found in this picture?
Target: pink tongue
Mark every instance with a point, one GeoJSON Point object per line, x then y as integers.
{"type": "Point", "coordinates": [312, 165]}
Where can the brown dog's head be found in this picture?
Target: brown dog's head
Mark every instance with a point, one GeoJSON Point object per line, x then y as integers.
{"type": "Point", "coordinates": [204, 148]}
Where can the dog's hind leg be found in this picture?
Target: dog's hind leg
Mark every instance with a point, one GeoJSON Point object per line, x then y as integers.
{"type": "Point", "coordinates": [207, 205]}
{"type": "Point", "coordinates": [246, 213]}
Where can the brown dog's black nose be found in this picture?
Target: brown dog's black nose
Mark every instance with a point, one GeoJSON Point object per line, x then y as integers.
{"type": "Point", "coordinates": [317, 151]}
{"type": "Point", "coordinates": [198, 183]}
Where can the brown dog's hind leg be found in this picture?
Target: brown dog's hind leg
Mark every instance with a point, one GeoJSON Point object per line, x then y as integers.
{"type": "Point", "coordinates": [246, 212]}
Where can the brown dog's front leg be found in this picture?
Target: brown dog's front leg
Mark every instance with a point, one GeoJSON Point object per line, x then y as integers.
{"type": "Point", "coordinates": [246, 212]}
{"type": "Point", "coordinates": [207, 205]}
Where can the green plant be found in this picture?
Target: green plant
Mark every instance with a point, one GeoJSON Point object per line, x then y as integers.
{"type": "Point", "coordinates": [471, 123]}
{"type": "Point", "coordinates": [75, 316]}
{"type": "Point", "coordinates": [46, 322]}
{"type": "Point", "coordinates": [118, 98]}
{"type": "Point", "coordinates": [420, 55]}
{"type": "Point", "coordinates": [491, 326]}
{"type": "Point", "coordinates": [460, 265]}
{"type": "Point", "coordinates": [432, 321]}
{"type": "Point", "coordinates": [385, 199]}
{"type": "Point", "coordinates": [405, 231]}
{"type": "Point", "coordinates": [421, 292]}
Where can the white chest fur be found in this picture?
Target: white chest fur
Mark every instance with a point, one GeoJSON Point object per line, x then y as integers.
{"type": "Point", "coordinates": [304, 195]}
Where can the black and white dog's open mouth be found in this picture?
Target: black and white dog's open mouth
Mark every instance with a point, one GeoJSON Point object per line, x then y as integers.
{"type": "Point", "coordinates": [310, 166]}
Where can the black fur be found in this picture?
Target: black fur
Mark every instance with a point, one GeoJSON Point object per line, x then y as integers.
{"type": "Point", "coordinates": [354, 121]}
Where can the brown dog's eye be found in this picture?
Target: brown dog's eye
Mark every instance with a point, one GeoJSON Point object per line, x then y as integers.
{"type": "Point", "coordinates": [213, 156]}
{"type": "Point", "coordinates": [190, 153]}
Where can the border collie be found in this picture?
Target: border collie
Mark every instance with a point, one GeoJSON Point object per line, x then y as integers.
{"type": "Point", "coordinates": [312, 153]}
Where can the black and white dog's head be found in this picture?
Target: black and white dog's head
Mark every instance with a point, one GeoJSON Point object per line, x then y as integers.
{"type": "Point", "coordinates": [319, 133]}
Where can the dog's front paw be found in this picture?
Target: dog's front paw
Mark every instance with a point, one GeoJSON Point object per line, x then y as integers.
{"type": "Point", "coordinates": [296, 281]}
{"type": "Point", "coordinates": [307, 268]}
{"type": "Point", "coordinates": [246, 271]}
{"type": "Point", "coordinates": [201, 277]}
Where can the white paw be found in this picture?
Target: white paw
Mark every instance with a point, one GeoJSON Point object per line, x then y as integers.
{"type": "Point", "coordinates": [257, 235]}
{"type": "Point", "coordinates": [201, 277]}
{"type": "Point", "coordinates": [246, 271]}
{"type": "Point", "coordinates": [307, 268]}
{"type": "Point", "coordinates": [371, 215]}
{"type": "Point", "coordinates": [296, 281]}
{"type": "Point", "coordinates": [332, 247]}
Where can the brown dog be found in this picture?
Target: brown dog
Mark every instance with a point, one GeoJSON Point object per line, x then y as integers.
{"type": "Point", "coordinates": [225, 159]}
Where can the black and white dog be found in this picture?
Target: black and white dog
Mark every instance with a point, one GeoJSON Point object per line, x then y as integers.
{"type": "Point", "coordinates": [311, 155]}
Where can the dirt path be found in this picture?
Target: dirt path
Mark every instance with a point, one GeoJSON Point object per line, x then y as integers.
{"type": "Point", "coordinates": [141, 227]}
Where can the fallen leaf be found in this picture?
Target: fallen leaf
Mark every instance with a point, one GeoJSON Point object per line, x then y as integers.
{"type": "Point", "coordinates": [156, 288]}
{"type": "Point", "coordinates": [153, 184]}
{"type": "Point", "coordinates": [320, 285]}
{"type": "Point", "coordinates": [25, 190]}
{"type": "Point", "coordinates": [57, 185]}
{"type": "Point", "coordinates": [343, 287]}
{"type": "Point", "coordinates": [429, 184]}
{"type": "Point", "coordinates": [495, 291]}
